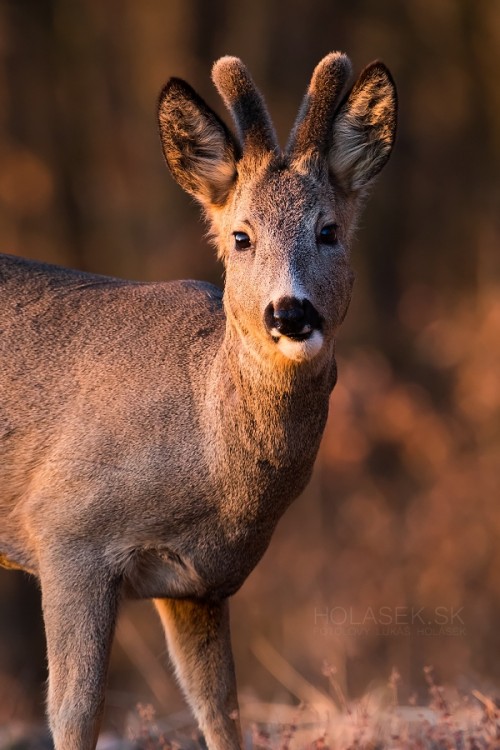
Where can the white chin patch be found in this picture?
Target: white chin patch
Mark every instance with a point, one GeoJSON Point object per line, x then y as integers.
{"type": "Point", "coordinates": [300, 351]}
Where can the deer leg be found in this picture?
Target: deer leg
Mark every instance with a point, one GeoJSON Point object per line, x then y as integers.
{"type": "Point", "coordinates": [79, 608]}
{"type": "Point", "coordinates": [200, 646]}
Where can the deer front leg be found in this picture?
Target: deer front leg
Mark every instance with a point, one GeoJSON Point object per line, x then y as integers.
{"type": "Point", "coordinates": [79, 609]}
{"type": "Point", "coordinates": [200, 646]}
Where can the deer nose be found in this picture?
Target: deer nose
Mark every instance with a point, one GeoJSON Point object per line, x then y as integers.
{"type": "Point", "coordinates": [288, 316]}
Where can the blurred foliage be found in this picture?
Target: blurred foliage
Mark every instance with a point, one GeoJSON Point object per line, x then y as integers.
{"type": "Point", "coordinates": [402, 510]}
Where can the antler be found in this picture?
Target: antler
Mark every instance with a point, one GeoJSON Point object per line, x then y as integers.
{"type": "Point", "coordinates": [313, 127]}
{"type": "Point", "coordinates": [247, 107]}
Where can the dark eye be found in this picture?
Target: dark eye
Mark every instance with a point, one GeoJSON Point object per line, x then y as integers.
{"type": "Point", "coordinates": [241, 240]}
{"type": "Point", "coordinates": [328, 235]}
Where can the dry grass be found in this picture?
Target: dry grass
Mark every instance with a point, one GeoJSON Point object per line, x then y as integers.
{"type": "Point", "coordinates": [377, 721]}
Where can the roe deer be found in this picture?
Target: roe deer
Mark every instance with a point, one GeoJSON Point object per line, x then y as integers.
{"type": "Point", "coordinates": [152, 434]}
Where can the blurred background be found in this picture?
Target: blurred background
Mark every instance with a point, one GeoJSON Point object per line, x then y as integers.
{"type": "Point", "coordinates": [391, 556]}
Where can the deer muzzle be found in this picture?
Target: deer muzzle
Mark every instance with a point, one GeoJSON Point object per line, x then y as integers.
{"type": "Point", "coordinates": [291, 317]}
{"type": "Point", "coordinates": [295, 326]}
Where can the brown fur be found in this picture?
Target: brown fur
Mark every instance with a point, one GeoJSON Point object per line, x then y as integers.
{"type": "Point", "coordinates": [151, 435]}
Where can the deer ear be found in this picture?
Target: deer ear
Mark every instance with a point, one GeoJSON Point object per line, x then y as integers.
{"type": "Point", "coordinates": [364, 128]}
{"type": "Point", "coordinates": [199, 149]}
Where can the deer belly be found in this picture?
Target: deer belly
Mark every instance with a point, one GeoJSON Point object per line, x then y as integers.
{"type": "Point", "coordinates": [216, 567]}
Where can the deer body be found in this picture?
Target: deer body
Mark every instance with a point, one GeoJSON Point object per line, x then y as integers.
{"type": "Point", "coordinates": [152, 435]}
{"type": "Point", "coordinates": [67, 432]}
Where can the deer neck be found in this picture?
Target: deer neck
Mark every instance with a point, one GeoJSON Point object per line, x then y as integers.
{"type": "Point", "coordinates": [271, 392]}
{"type": "Point", "coordinates": [265, 423]}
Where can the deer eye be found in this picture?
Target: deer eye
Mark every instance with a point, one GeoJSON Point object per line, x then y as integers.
{"type": "Point", "coordinates": [241, 240]}
{"type": "Point", "coordinates": [328, 235]}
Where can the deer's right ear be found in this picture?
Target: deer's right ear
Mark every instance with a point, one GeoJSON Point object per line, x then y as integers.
{"type": "Point", "coordinates": [364, 128]}
{"type": "Point", "coordinates": [200, 151]}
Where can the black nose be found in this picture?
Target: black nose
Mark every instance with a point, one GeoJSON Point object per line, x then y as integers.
{"type": "Point", "coordinates": [291, 317]}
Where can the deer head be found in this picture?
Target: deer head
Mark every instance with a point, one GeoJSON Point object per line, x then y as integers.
{"type": "Point", "coordinates": [282, 220]}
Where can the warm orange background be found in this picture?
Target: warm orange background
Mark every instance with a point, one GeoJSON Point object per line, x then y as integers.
{"type": "Point", "coordinates": [404, 508]}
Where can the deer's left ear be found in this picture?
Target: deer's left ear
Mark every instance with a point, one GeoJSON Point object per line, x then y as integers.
{"type": "Point", "coordinates": [364, 129]}
{"type": "Point", "coordinates": [199, 149]}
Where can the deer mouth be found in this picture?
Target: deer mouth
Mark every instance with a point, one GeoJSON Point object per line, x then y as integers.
{"type": "Point", "coordinates": [306, 332]}
{"type": "Point", "coordinates": [302, 336]}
